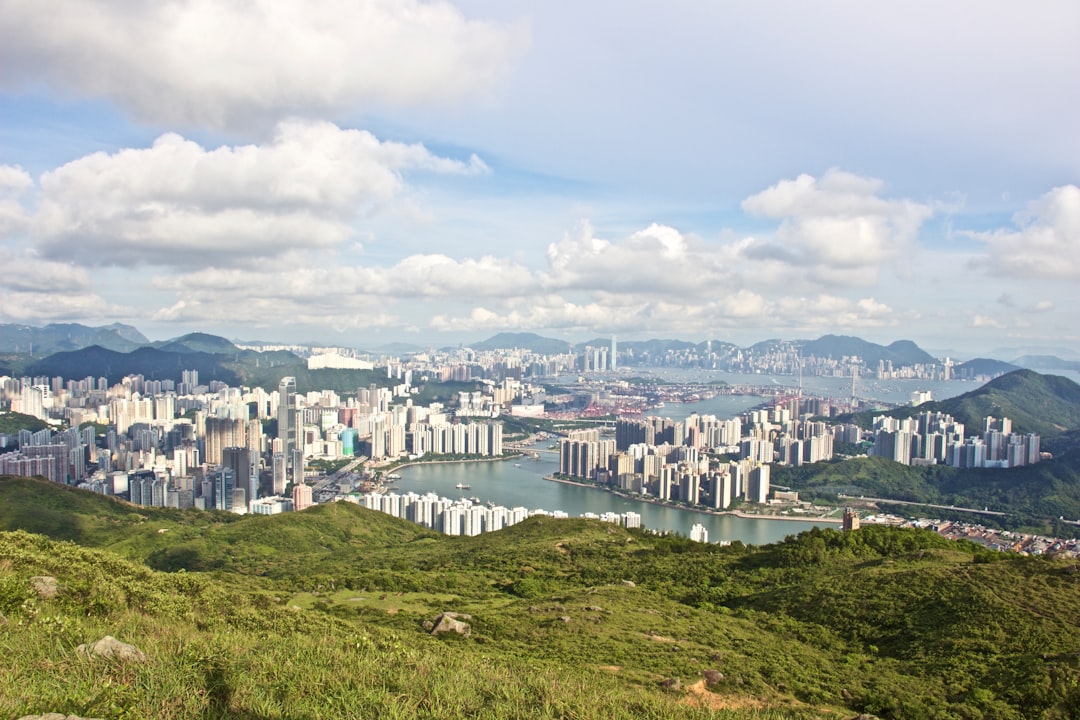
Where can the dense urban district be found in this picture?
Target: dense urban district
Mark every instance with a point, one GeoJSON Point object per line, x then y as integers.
{"type": "Point", "coordinates": [171, 437]}
{"type": "Point", "coordinates": [188, 530]}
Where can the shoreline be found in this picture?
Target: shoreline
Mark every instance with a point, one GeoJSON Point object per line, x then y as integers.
{"type": "Point", "coordinates": [395, 468]}
{"type": "Point", "coordinates": [705, 510]}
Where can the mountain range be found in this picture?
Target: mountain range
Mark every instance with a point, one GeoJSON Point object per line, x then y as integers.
{"type": "Point", "coordinates": [112, 351]}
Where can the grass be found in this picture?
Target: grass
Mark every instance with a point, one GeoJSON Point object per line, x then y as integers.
{"type": "Point", "coordinates": [321, 609]}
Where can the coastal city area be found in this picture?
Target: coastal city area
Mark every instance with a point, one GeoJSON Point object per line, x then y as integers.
{"type": "Point", "coordinates": [681, 455]}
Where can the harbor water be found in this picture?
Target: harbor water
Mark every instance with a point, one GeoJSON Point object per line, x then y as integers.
{"type": "Point", "coordinates": [521, 482]}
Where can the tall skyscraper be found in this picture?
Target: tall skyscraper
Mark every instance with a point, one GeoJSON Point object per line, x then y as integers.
{"type": "Point", "coordinates": [614, 353]}
{"type": "Point", "coordinates": [287, 416]}
{"type": "Point", "coordinates": [238, 459]}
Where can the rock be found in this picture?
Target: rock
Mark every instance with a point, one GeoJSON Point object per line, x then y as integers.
{"type": "Point", "coordinates": [595, 608]}
{"type": "Point", "coordinates": [671, 684]}
{"type": "Point", "coordinates": [428, 625]}
{"type": "Point", "coordinates": [565, 618]}
{"type": "Point", "coordinates": [712, 677]}
{"type": "Point", "coordinates": [110, 647]}
{"type": "Point", "coordinates": [629, 583]}
{"type": "Point", "coordinates": [866, 716]}
{"type": "Point", "coordinates": [45, 586]}
{"type": "Point", "coordinates": [450, 622]}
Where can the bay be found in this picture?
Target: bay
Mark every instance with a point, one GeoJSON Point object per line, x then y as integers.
{"type": "Point", "coordinates": [521, 483]}
{"type": "Point", "coordinates": [893, 390]}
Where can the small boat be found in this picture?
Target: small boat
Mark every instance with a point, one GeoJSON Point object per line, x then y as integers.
{"type": "Point", "coordinates": [463, 486]}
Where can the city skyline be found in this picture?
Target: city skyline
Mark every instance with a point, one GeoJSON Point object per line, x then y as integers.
{"type": "Point", "coordinates": [364, 173]}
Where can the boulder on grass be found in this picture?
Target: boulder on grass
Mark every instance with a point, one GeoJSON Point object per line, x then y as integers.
{"type": "Point", "coordinates": [110, 647]}
{"type": "Point", "coordinates": [452, 622]}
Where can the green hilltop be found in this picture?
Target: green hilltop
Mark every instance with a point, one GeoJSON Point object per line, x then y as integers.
{"type": "Point", "coordinates": [326, 613]}
{"type": "Point", "coordinates": [1043, 404]}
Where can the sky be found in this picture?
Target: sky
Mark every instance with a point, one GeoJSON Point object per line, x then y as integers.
{"type": "Point", "coordinates": [360, 172]}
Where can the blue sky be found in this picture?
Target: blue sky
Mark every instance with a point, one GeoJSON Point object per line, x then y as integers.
{"type": "Point", "coordinates": [367, 171]}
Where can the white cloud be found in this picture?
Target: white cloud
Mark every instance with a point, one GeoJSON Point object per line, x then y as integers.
{"type": "Point", "coordinates": [742, 310]}
{"type": "Point", "coordinates": [176, 203]}
{"type": "Point", "coordinates": [986, 321]}
{"type": "Point", "coordinates": [14, 182]}
{"type": "Point", "coordinates": [33, 289]}
{"type": "Point", "coordinates": [227, 63]}
{"type": "Point", "coordinates": [657, 259]}
{"type": "Point", "coordinates": [836, 227]}
{"type": "Point", "coordinates": [1046, 243]}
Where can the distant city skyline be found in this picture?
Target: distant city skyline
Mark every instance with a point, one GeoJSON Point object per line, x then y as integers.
{"type": "Point", "coordinates": [361, 173]}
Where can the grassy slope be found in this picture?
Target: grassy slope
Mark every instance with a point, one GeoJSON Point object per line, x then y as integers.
{"type": "Point", "coordinates": [900, 623]}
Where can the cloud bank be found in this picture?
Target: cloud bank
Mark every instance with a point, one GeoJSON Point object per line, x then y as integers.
{"type": "Point", "coordinates": [238, 64]}
{"type": "Point", "coordinates": [179, 204]}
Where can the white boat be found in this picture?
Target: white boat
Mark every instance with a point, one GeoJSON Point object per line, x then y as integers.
{"type": "Point", "coordinates": [462, 486]}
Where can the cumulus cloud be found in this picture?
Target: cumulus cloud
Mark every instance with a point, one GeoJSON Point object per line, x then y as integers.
{"type": "Point", "coordinates": [1045, 243]}
{"type": "Point", "coordinates": [986, 321]}
{"type": "Point", "coordinates": [657, 259]}
{"type": "Point", "coordinates": [177, 203]}
{"type": "Point", "coordinates": [290, 292]}
{"type": "Point", "coordinates": [740, 310]}
{"type": "Point", "coordinates": [837, 227]}
{"type": "Point", "coordinates": [429, 276]}
{"type": "Point", "coordinates": [230, 64]}
{"type": "Point", "coordinates": [33, 289]}
{"type": "Point", "coordinates": [14, 182]}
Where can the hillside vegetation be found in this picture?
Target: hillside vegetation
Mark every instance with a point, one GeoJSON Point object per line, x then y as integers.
{"type": "Point", "coordinates": [1033, 496]}
{"type": "Point", "coordinates": [321, 613]}
{"type": "Point", "coordinates": [1043, 404]}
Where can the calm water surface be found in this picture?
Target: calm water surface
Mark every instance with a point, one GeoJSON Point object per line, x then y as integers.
{"type": "Point", "coordinates": [521, 483]}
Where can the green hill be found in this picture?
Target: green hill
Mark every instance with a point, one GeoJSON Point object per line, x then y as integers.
{"type": "Point", "coordinates": [1033, 496]}
{"type": "Point", "coordinates": [12, 422]}
{"type": "Point", "coordinates": [198, 342]}
{"type": "Point", "coordinates": [1043, 404]}
{"type": "Point", "coordinates": [321, 614]}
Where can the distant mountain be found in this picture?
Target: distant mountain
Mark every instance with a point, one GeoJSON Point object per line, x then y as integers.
{"type": "Point", "coordinates": [152, 363]}
{"type": "Point", "coordinates": [765, 346]}
{"type": "Point", "coordinates": [983, 366]}
{"type": "Point", "coordinates": [1046, 362]}
{"type": "Point", "coordinates": [400, 348]}
{"type": "Point", "coordinates": [901, 352]}
{"type": "Point", "coordinates": [526, 341]}
{"type": "Point", "coordinates": [59, 337]}
{"type": "Point", "coordinates": [1015, 352]}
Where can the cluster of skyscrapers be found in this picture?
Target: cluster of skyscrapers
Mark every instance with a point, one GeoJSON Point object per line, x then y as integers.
{"type": "Point", "coordinates": [679, 461]}
{"type": "Point", "coordinates": [933, 438]}
{"type": "Point", "coordinates": [210, 446]}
